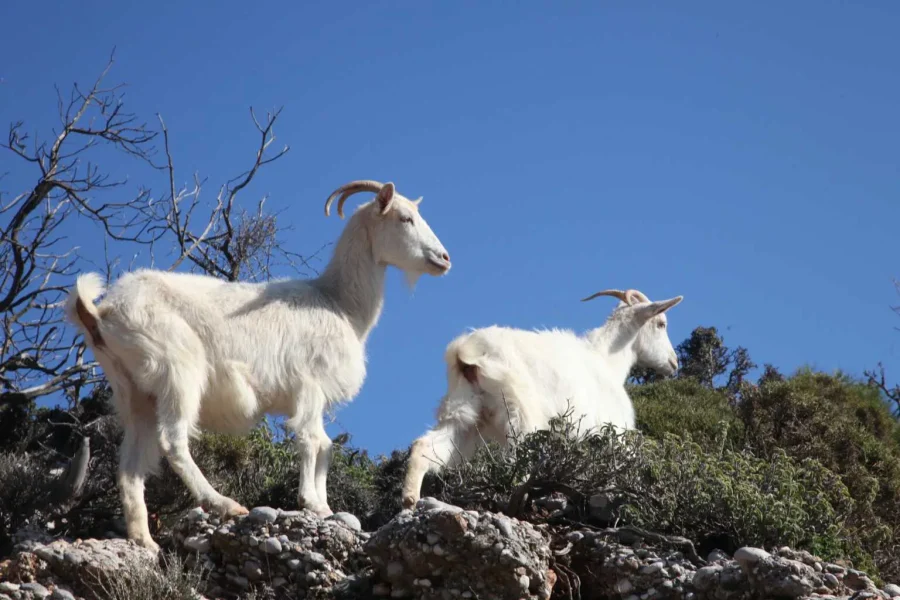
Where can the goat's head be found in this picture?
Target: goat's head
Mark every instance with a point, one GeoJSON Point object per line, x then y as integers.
{"type": "Point", "coordinates": [652, 346]}
{"type": "Point", "coordinates": [399, 235]}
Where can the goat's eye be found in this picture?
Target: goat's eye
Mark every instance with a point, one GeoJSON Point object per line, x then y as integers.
{"type": "Point", "coordinates": [406, 220]}
{"type": "Point", "coordinates": [661, 325]}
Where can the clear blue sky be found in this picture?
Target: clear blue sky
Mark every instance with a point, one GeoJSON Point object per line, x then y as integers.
{"type": "Point", "coordinates": [745, 156]}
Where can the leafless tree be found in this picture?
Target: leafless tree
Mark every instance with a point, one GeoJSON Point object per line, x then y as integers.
{"type": "Point", "coordinates": [39, 353]}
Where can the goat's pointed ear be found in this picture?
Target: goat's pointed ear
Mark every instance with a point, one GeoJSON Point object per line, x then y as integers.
{"type": "Point", "coordinates": [417, 201]}
{"type": "Point", "coordinates": [651, 309]}
{"type": "Point", "coordinates": [385, 197]}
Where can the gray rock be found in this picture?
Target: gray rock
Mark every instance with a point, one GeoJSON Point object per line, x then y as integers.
{"type": "Point", "coordinates": [252, 570]}
{"type": "Point", "coordinates": [61, 594]}
{"type": "Point", "coordinates": [271, 546]}
{"type": "Point", "coordinates": [9, 587]}
{"type": "Point", "coordinates": [492, 555]}
{"type": "Point", "coordinates": [892, 590]}
{"type": "Point", "coordinates": [347, 519]}
{"type": "Point", "coordinates": [429, 503]}
{"type": "Point", "coordinates": [37, 590]}
{"type": "Point", "coordinates": [716, 555]}
{"type": "Point", "coordinates": [197, 543]}
{"type": "Point", "coordinates": [747, 556]}
{"type": "Point", "coordinates": [707, 578]}
{"type": "Point", "coordinates": [624, 585]}
{"type": "Point", "coordinates": [263, 514]}
{"type": "Point", "coordinates": [196, 514]}
{"type": "Point", "coordinates": [505, 526]}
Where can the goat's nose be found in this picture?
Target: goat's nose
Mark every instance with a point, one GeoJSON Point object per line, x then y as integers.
{"type": "Point", "coordinates": [673, 362]}
{"type": "Point", "coordinates": [445, 256]}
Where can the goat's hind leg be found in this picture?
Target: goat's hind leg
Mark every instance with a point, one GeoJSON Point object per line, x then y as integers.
{"type": "Point", "coordinates": [450, 443]}
{"type": "Point", "coordinates": [323, 463]}
{"type": "Point", "coordinates": [138, 457]}
{"type": "Point", "coordinates": [177, 411]}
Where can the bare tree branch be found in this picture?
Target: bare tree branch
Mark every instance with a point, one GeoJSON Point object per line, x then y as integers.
{"type": "Point", "coordinates": [40, 354]}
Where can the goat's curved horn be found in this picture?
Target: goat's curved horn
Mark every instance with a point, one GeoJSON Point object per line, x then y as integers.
{"type": "Point", "coordinates": [347, 190]}
{"type": "Point", "coordinates": [625, 296]}
{"type": "Point", "coordinates": [614, 293]}
{"type": "Point", "coordinates": [639, 295]}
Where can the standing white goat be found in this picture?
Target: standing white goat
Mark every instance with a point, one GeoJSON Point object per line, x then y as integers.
{"type": "Point", "coordinates": [185, 352]}
{"type": "Point", "coordinates": [499, 378]}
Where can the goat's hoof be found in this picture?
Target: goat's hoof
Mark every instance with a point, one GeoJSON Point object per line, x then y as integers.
{"type": "Point", "coordinates": [237, 511]}
{"type": "Point", "coordinates": [148, 543]}
{"type": "Point", "coordinates": [321, 510]}
{"type": "Point", "coordinates": [228, 508]}
{"type": "Point", "coordinates": [409, 501]}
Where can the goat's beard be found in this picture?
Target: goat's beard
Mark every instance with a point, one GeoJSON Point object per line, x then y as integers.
{"type": "Point", "coordinates": [412, 278]}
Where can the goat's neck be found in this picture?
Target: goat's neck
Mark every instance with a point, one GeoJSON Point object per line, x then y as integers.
{"type": "Point", "coordinates": [615, 340]}
{"type": "Point", "coordinates": [353, 279]}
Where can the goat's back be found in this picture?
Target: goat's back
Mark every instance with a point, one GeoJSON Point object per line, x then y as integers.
{"type": "Point", "coordinates": [543, 372]}
{"type": "Point", "coordinates": [285, 333]}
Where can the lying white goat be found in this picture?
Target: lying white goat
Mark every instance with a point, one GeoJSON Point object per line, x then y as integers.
{"type": "Point", "coordinates": [185, 352]}
{"type": "Point", "coordinates": [501, 379]}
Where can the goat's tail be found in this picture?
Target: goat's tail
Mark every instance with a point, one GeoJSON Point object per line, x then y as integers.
{"type": "Point", "coordinates": [473, 359]}
{"type": "Point", "coordinates": [80, 307]}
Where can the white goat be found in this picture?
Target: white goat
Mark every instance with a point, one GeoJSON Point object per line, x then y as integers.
{"type": "Point", "coordinates": [185, 352]}
{"type": "Point", "coordinates": [499, 378]}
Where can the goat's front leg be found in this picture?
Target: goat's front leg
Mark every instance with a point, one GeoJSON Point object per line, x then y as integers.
{"type": "Point", "coordinates": [313, 451]}
{"type": "Point", "coordinates": [173, 439]}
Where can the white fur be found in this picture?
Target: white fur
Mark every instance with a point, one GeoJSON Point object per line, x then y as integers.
{"type": "Point", "coordinates": [185, 352]}
{"type": "Point", "coordinates": [525, 378]}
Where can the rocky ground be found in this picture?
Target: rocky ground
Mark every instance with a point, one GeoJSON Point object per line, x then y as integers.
{"type": "Point", "coordinates": [435, 551]}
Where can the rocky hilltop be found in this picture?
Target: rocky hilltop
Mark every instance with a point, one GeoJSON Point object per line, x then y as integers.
{"type": "Point", "coordinates": [436, 551]}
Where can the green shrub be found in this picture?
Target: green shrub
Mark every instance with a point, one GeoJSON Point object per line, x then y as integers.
{"type": "Point", "coordinates": [845, 426]}
{"type": "Point", "coordinates": [683, 406]}
{"type": "Point", "coordinates": [715, 497]}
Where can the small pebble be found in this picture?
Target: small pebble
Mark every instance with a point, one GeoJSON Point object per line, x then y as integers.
{"type": "Point", "coordinates": [271, 546]}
